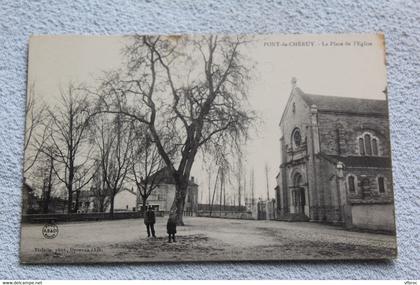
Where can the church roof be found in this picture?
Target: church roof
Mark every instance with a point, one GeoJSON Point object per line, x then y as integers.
{"type": "Point", "coordinates": [345, 104]}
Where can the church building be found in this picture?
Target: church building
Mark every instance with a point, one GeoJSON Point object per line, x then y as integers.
{"type": "Point", "coordinates": [335, 162]}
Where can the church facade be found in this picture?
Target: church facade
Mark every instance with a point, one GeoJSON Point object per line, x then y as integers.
{"type": "Point", "coordinates": [335, 162]}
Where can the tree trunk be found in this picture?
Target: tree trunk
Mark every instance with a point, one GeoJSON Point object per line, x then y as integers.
{"type": "Point", "coordinates": [144, 202]}
{"type": "Point", "coordinates": [101, 204]}
{"type": "Point", "coordinates": [47, 198]}
{"type": "Point", "coordinates": [70, 201]}
{"type": "Point", "coordinates": [111, 210]}
{"type": "Point", "coordinates": [76, 208]}
{"type": "Point", "coordinates": [177, 208]}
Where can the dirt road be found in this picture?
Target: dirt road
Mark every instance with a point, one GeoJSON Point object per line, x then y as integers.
{"type": "Point", "coordinates": [204, 239]}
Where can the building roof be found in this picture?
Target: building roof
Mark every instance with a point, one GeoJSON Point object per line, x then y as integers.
{"type": "Point", "coordinates": [164, 176]}
{"type": "Point", "coordinates": [360, 161]}
{"type": "Point", "coordinates": [27, 187]}
{"type": "Point", "coordinates": [345, 104]}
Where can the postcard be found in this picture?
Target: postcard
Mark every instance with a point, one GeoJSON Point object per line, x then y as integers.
{"type": "Point", "coordinates": [151, 148]}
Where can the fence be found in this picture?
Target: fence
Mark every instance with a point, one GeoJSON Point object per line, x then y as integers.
{"type": "Point", "coordinates": [44, 218]}
{"type": "Point", "coordinates": [227, 214]}
{"type": "Point", "coordinates": [218, 207]}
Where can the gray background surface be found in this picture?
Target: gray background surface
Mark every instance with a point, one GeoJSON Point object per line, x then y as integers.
{"type": "Point", "coordinates": [399, 21]}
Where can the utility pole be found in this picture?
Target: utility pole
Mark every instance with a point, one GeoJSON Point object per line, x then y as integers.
{"type": "Point", "coordinates": [214, 191]}
{"type": "Point", "coordinates": [239, 181]}
{"type": "Point", "coordinates": [209, 200]}
{"type": "Point", "coordinates": [222, 175]}
{"type": "Point", "coordinates": [252, 187]}
{"type": "Point", "coordinates": [245, 194]}
{"type": "Point", "coordinates": [266, 178]}
{"type": "Point", "coordinates": [224, 194]}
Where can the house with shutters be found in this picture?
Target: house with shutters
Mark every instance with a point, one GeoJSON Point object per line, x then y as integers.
{"type": "Point", "coordinates": [162, 197]}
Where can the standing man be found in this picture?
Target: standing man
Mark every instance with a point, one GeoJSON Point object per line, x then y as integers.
{"type": "Point", "coordinates": [149, 221]}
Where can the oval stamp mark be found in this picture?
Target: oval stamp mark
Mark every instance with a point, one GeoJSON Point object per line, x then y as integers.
{"type": "Point", "coordinates": [50, 231]}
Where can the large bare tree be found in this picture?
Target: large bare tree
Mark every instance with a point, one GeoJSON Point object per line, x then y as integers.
{"type": "Point", "coordinates": [192, 90]}
{"type": "Point", "coordinates": [68, 137]}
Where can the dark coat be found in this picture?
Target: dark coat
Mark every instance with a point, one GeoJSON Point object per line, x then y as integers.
{"type": "Point", "coordinates": [171, 226]}
{"type": "Point", "coordinates": [149, 217]}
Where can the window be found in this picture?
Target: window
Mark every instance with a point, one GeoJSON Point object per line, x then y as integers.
{"type": "Point", "coordinates": [351, 183]}
{"type": "Point", "coordinates": [296, 137]}
{"type": "Point", "coordinates": [381, 184]}
{"type": "Point", "coordinates": [368, 145]}
{"type": "Point", "coordinates": [361, 146]}
{"type": "Point", "coordinates": [375, 146]}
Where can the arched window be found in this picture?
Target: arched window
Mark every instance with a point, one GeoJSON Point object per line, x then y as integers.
{"type": "Point", "coordinates": [375, 146]}
{"type": "Point", "coordinates": [297, 180]}
{"type": "Point", "coordinates": [361, 147]}
{"type": "Point", "coordinates": [381, 184]}
{"type": "Point", "coordinates": [368, 145]}
{"type": "Point", "coordinates": [296, 137]}
{"type": "Point", "coordinates": [351, 183]}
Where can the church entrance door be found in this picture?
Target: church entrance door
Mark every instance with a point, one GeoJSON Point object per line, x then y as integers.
{"type": "Point", "coordinates": [300, 197]}
{"type": "Point", "coordinates": [299, 194]}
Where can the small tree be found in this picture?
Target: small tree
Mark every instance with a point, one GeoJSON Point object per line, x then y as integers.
{"type": "Point", "coordinates": [114, 140]}
{"type": "Point", "coordinates": [99, 188]}
{"type": "Point", "coordinates": [35, 129]}
{"type": "Point", "coordinates": [43, 177]}
{"type": "Point", "coordinates": [146, 165]}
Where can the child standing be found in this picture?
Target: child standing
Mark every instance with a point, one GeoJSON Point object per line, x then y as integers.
{"type": "Point", "coordinates": [171, 229]}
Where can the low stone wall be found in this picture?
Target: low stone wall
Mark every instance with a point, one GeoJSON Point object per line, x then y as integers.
{"type": "Point", "coordinates": [376, 217]}
{"type": "Point", "coordinates": [45, 218]}
{"type": "Point", "coordinates": [226, 215]}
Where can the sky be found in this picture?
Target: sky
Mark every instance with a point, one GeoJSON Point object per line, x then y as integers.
{"type": "Point", "coordinates": [335, 65]}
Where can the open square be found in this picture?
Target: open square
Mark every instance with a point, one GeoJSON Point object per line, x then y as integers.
{"type": "Point", "coordinates": [211, 239]}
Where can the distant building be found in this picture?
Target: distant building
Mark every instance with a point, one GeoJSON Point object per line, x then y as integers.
{"type": "Point", "coordinates": [87, 202]}
{"type": "Point", "coordinates": [30, 203]}
{"type": "Point", "coordinates": [125, 200]}
{"type": "Point", "coordinates": [163, 195]}
{"type": "Point", "coordinates": [266, 209]}
{"type": "Point", "coordinates": [335, 162]}
{"type": "Point", "coordinates": [33, 204]}
{"type": "Point", "coordinates": [251, 205]}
